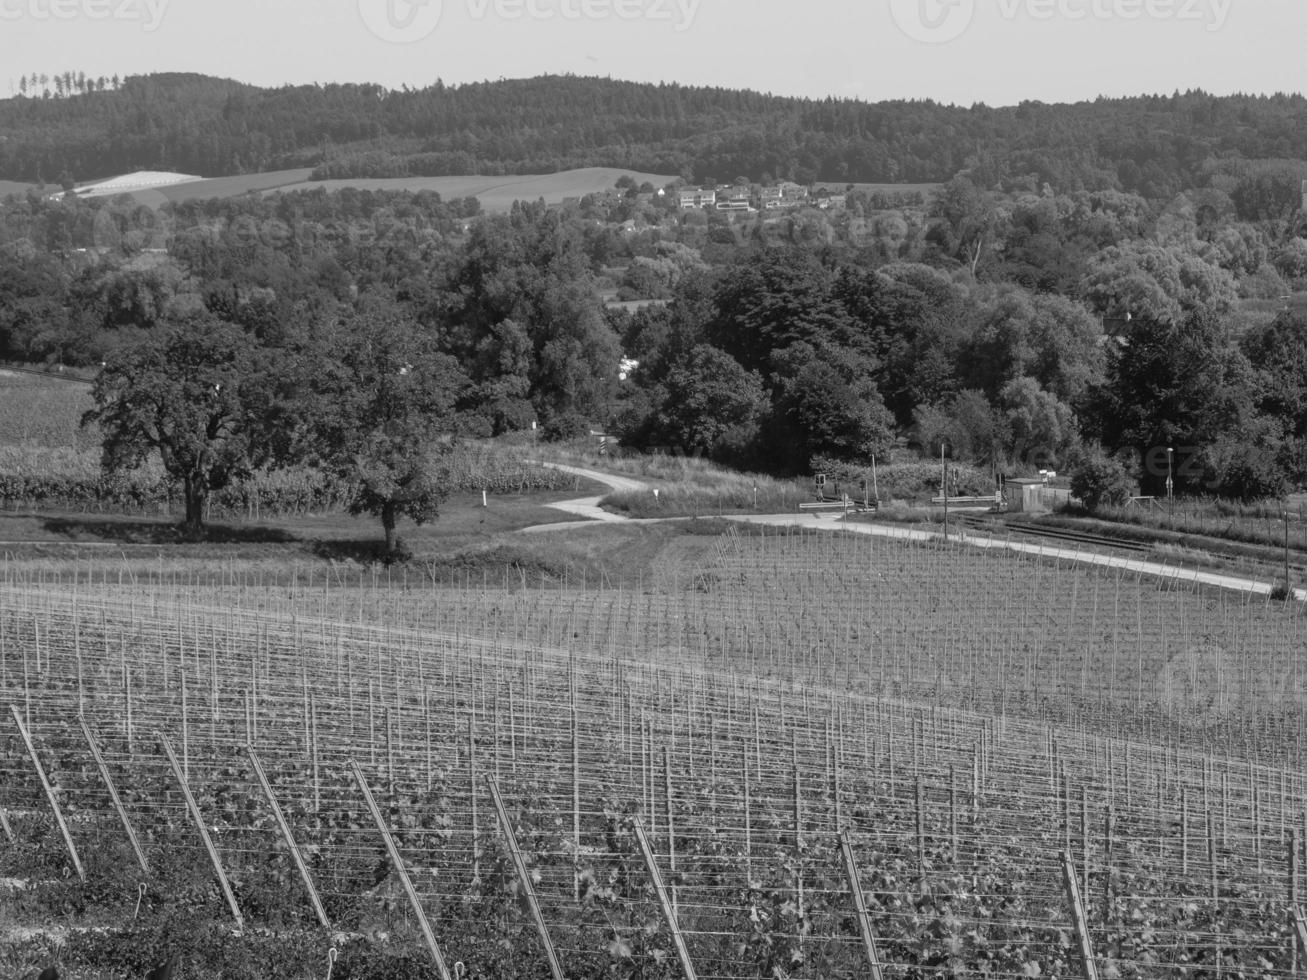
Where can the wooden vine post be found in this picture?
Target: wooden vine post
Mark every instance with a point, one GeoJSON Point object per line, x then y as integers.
{"type": "Point", "coordinates": [576, 807]}
{"type": "Point", "coordinates": [1295, 915]}
{"type": "Point", "coordinates": [397, 862]}
{"type": "Point", "coordinates": [1079, 916]}
{"type": "Point", "coordinates": [107, 777]}
{"type": "Point", "coordinates": [1298, 923]}
{"type": "Point", "coordinates": [524, 878]}
{"type": "Point", "coordinates": [194, 811]}
{"type": "Point", "coordinates": [655, 876]}
{"type": "Point", "coordinates": [49, 794]}
{"type": "Point", "coordinates": [288, 837]}
{"type": "Point", "coordinates": [860, 906]}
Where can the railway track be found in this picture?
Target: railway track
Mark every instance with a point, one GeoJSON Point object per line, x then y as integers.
{"type": "Point", "coordinates": [1058, 534]}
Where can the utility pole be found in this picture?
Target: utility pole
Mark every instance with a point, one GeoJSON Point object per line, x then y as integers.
{"type": "Point", "coordinates": [1170, 484]}
{"type": "Point", "coordinates": [1288, 582]}
{"type": "Point", "coordinates": [944, 484]}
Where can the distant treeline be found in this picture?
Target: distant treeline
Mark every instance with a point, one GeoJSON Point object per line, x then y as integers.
{"type": "Point", "coordinates": [1154, 146]}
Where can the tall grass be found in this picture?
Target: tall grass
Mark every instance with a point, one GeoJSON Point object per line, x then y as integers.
{"type": "Point", "coordinates": [709, 495]}
{"type": "Point", "coordinates": [1261, 523]}
{"type": "Point", "coordinates": [46, 412]}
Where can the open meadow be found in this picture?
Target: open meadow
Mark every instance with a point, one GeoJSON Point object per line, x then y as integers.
{"type": "Point", "coordinates": [643, 777]}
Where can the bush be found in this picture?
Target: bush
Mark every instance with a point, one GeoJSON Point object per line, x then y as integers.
{"type": "Point", "coordinates": [1102, 481]}
{"type": "Point", "coordinates": [1250, 473]}
{"type": "Point", "coordinates": [564, 427]}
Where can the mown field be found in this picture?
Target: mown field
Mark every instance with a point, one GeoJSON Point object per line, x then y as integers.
{"type": "Point", "coordinates": [499, 193]}
{"type": "Point", "coordinates": [967, 720]}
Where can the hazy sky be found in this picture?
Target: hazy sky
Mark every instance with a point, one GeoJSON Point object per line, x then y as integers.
{"type": "Point", "coordinates": [963, 51]}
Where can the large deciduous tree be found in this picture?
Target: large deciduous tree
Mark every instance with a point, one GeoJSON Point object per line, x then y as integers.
{"type": "Point", "coordinates": [192, 392]}
{"type": "Point", "coordinates": [709, 405]}
{"type": "Point", "coordinates": [383, 398]}
{"type": "Point", "coordinates": [1184, 386]}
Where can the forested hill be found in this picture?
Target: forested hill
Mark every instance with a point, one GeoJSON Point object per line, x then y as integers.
{"type": "Point", "coordinates": [1152, 145]}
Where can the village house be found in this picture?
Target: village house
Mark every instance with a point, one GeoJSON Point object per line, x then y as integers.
{"type": "Point", "coordinates": [698, 197]}
{"type": "Point", "coordinates": [734, 198]}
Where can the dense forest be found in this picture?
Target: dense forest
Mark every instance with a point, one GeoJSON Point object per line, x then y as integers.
{"type": "Point", "coordinates": [1155, 146]}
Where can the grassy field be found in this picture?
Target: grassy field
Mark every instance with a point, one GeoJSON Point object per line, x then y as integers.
{"type": "Point", "coordinates": [44, 410]}
{"type": "Point", "coordinates": [498, 193]}
{"type": "Point", "coordinates": [8, 187]}
{"type": "Point", "coordinates": [495, 193]}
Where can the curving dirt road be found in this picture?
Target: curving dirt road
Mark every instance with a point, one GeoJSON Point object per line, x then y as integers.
{"type": "Point", "coordinates": [588, 507]}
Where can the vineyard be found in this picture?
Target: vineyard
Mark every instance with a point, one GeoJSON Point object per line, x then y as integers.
{"type": "Point", "coordinates": [63, 479]}
{"type": "Point", "coordinates": [814, 755]}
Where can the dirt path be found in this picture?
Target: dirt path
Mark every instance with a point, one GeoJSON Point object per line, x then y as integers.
{"type": "Point", "coordinates": [588, 507]}
{"type": "Point", "coordinates": [1133, 566]}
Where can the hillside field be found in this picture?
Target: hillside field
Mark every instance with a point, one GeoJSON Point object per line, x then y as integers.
{"type": "Point", "coordinates": [499, 193]}
{"type": "Point", "coordinates": [496, 194]}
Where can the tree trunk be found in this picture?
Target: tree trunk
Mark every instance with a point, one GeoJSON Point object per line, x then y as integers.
{"type": "Point", "coordinates": [194, 490]}
{"type": "Point", "coordinates": [388, 524]}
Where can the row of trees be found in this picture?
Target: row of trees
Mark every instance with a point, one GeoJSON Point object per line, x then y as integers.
{"type": "Point", "coordinates": [61, 84]}
{"type": "Point", "coordinates": [788, 360]}
{"type": "Point", "coordinates": [359, 392]}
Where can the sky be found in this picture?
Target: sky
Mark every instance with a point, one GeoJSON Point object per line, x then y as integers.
{"type": "Point", "coordinates": [999, 52]}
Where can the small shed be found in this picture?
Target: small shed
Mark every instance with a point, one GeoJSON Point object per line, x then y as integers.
{"type": "Point", "coordinates": [1033, 496]}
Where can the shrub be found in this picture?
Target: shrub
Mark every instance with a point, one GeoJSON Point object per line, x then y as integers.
{"type": "Point", "coordinates": [565, 426]}
{"type": "Point", "coordinates": [1102, 481]}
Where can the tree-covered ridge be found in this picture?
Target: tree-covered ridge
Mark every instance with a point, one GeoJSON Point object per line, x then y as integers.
{"type": "Point", "coordinates": [1152, 145]}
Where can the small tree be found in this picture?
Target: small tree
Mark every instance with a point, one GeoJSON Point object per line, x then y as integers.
{"type": "Point", "coordinates": [383, 398]}
{"type": "Point", "coordinates": [187, 393]}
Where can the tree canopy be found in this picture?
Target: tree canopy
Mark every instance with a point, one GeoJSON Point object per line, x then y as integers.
{"type": "Point", "coordinates": [195, 393]}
